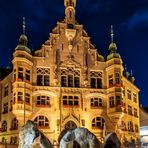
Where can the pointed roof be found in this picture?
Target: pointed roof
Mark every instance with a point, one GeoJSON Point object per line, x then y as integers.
{"type": "Point", "coordinates": [23, 40]}
{"type": "Point", "coordinates": [112, 47]}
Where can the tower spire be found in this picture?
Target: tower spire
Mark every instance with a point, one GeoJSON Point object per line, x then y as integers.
{"type": "Point", "coordinates": [112, 34]}
{"type": "Point", "coordinates": [112, 46]}
{"type": "Point", "coordinates": [24, 25]}
{"type": "Point", "coordinates": [23, 38]}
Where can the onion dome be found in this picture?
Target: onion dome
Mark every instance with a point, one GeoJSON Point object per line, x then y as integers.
{"type": "Point", "coordinates": [112, 47]}
{"type": "Point", "coordinates": [132, 78]}
{"type": "Point", "coordinates": [23, 40]}
{"type": "Point", "coordinates": [126, 73]}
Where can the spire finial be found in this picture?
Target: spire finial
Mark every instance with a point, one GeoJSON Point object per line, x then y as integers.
{"type": "Point", "coordinates": [131, 72]}
{"type": "Point", "coordinates": [125, 67]}
{"type": "Point", "coordinates": [24, 25]}
{"type": "Point", "coordinates": [112, 34]}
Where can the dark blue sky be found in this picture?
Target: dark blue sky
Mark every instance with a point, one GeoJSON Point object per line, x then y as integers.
{"type": "Point", "coordinates": [129, 17]}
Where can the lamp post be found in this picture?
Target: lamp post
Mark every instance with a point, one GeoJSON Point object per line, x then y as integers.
{"type": "Point", "coordinates": [24, 100]}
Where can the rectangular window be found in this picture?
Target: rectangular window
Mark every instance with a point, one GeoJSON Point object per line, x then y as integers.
{"type": "Point", "coordinates": [111, 102]}
{"type": "Point", "coordinates": [118, 100]}
{"type": "Point", "coordinates": [6, 91]}
{"type": "Point", "coordinates": [5, 108]}
{"type": "Point", "coordinates": [129, 94]}
{"type": "Point", "coordinates": [27, 96]}
{"type": "Point", "coordinates": [99, 83]}
{"type": "Point", "coordinates": [20, 97]}
{"type": "Point", "coordinates": [20, 73]}
{"type": "Point", "coordinates": [71, 100]}
{"type": "Point", "coordinates": [134, 97]}
{"type": "Point", "coordinates": [129, 110]}
{"type": "Point", "coordinates": [135, 112]}
{"type": "Point", "coordinates": [70, 81]}
{"type": "Point", "coordinates": [76, 100]}
{"type": "Point", "coordinates": [64, 81]}
{"type": "Point", "coordinates": [111, 80]}
{"type": "Point", "coordinates": [65, 100]}
{"type": "Point", "coordinates": [117, 78]}
{"type": "Point", "coordinates": [28, 75]}
{"type": "Point", "coordinates": [46, 80]}
{"type": "Point", "coordinates": [77, 81]}
{"type": "Point", "coordinates": [93, 82]}
{"type": "Point", "coordinates": [39, 80]}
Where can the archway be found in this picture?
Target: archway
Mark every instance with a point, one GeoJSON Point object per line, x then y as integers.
{"type": "Point", "coordinates": [70, 125]}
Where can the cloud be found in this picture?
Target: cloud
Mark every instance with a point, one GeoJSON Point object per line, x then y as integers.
{"type": "Point", "coordinates": [138, 20]}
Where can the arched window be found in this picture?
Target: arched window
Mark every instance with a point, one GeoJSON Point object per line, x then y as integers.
{"type": "Point", "coordinates": [4, 126]}
{"type": "Point", "coordinates": [96, 102]}
{"type": "Point", "coordinates": [14, 124]}
{"type": "Point", "coordinates": [136, 128]}
{"type": "Point", "coordinates": [130, 126]}
{"type": "Point", "coordinates": [43, 100]}
{"type": "Point", "coordinates": [98, 122]}
{"type": "Point", "coordinates": [41, 122]}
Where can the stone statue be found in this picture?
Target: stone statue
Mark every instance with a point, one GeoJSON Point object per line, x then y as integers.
{"type": "Point", "coordinates": [79, 138]}
{"type": "Point", "coordinates": [31, 137]}
{"type": "Point", "coordinates": [112, 141]}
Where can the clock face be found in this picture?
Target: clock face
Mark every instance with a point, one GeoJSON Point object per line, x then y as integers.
{"type": "Point", "coordinates": [70, 26]}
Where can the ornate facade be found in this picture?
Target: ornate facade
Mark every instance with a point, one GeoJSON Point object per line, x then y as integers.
{"type": "Point", "coordinates": [68, 84]}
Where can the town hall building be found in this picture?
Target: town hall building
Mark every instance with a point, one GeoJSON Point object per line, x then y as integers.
{"type": "Point", "coordinates": [68, 84]}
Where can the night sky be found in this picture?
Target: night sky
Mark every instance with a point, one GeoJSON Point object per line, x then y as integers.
{"type": "Point", "coordinates": [129, 17]}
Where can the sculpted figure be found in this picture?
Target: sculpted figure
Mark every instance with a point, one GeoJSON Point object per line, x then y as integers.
{"type": "Point", "coordinates": [31, 137]}
{"type": "Point", "coordinates": [79, 138]}
{"type": "Point", "coordinates": [112, 141]}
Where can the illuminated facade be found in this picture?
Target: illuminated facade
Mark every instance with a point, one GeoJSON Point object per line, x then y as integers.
{"type": "Point", "coordinates": [68, 84]}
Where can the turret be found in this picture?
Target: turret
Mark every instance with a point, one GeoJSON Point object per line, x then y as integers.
{"type": "Point", "coordinates": [22, 79]}
{"type": "Point", "coordinates": [70, 11]}
{"type": "Point", "coordinates": [114, 72]}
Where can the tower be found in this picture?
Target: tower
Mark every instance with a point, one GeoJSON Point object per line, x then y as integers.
{"type": "Point", "coordinates": [114, 73]}
{"type": "Point", "coordinates": [70, 11]}
{"type": "Point", "coordinates": [22, 76]}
